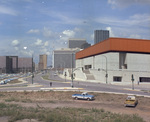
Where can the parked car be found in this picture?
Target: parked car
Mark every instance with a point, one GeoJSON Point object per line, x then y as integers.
{"type": "Point", "coordinates": [131, 101]}
{"type": "Point", "coordinates": [84, 96]}
{"type": "Point", "coordinates": [2, 82]}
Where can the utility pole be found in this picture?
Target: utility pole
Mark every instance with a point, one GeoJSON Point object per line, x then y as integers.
{"type": "Point", "coordinates": [72, 73]}
{"type": "Point", "coordinates": [106, 69]}
{"type": "Point", "coordinates": [132, 79]}
{"type": "Point", "coordinates": [32, 69]}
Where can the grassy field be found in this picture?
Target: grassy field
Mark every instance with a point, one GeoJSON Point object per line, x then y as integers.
{"type": "Point", "coordinates": [16, 112]}
{"type": "Point", "coordinates": [58, 106]}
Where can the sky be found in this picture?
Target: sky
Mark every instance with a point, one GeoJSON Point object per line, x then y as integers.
{"type": "Point", "coordinates": [35, 27]}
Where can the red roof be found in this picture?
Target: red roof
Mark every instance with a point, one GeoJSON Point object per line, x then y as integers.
{"type": "Point", "coordinates": [116, 45]}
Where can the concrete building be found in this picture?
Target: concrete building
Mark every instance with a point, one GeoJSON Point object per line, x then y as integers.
{"type": "Point", "coordinates": [100, 35]}
{"type": "Point", "coordinates": [78, 43]}
{"type": "Point", "coordinates": [42, 62]}
{"type": "Point", "coordinates": [14, 64]}
{"type": "Point", "coordinates": [25, 65]}
{"type": "Point", "coordinates": [8, 64]}
{"type": "Point", "coordinates": [64, 58]}
{"type": "Point", "coordinates": [115, 60]}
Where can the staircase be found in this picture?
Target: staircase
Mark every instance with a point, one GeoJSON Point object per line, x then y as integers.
{"type": "Point", "coordinates": [89, 75]}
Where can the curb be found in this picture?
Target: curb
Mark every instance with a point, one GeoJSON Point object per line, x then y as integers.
{"type": "Point", "coordinates": [62, 88]}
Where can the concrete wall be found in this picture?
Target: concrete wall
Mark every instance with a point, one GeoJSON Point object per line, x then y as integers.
{"type": "Point", "coordinates": [124, 74]}
{"type": "Point", "coordinates": [79, 75]}
{"type": "Point", "coordinates": [99, 61]}
{"type": "Point", "coordinates": [118, 65]}
{"type": "Point", "coordinates": [139, 62]}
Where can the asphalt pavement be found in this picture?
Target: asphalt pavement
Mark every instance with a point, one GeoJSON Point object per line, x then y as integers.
{"type": "Point", "coordinates": [56, 83]}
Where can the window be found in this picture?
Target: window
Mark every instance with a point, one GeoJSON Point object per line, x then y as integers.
{"type": "Point", "coordinates": [144, 79]}
{"type": "Point", "coordinates": [88, 66]}
{"type": "Point", "coordinates": [117, 79]}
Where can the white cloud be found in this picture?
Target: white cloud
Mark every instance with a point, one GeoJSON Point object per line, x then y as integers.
{"type": "Point", "coordinates": [48, 33]}
{"type": "Point", "coordinates": [135, 36]}
{"type": "Point", "coordinates": [38, 42]}
{"type": "Point", "coordinates": [9, 11]}
{"type": "Point", "coordinates": [69, 33]}
{"type": "Point", "coordinates": [36, 31]}
{"type": "Point", "coordinates": [135, 26]}
{"type": "Point", "coordinates": [25, 48]}
{"type": "Point", "coordinates": [66, 34]}
{"type": "Point", "coordinates": [46, 43]}
{"type": "Point", "coordinates": [62, 17]}
{"type": "Point", "coordinates": [16, 48]}
{"type": "Point", "coordinates": [15, 43]}
{"type": "Point", "coordinates": [110, 31]}
{"type": "Point", "coordinates": [92, 36]}
{"type": "Point", "coordinates": [45, 51]}
{"type": "Point", "coordinates": [126, 3]}
{"type": "Point", "coordinates": [142, 20]}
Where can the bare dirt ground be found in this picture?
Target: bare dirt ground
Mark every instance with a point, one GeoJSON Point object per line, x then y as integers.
{"type": "Point", "coordinates": [108, 102]}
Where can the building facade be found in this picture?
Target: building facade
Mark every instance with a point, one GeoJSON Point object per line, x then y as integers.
{"type": "Point", "coordinates": [64, 58]}
{"type": "Point", "coordinates": [42, 62]}
{"type": "Point", "coordinates": [8, 64]}
{"type": "Point", "coordinates": [78, 43]}
{"type": "Point", "coordinates": [25, 65]}
{"type": "Point", "coordinates": [100, 35]}
{"type": "Point", "coordinates": [14, 64]}
{"type": "Point", "coordinates": [116, 60]}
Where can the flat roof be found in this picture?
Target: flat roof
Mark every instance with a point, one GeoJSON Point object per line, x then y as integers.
{"type": "Point", "coordinates": [77, 39]}
{"type": "Point", "coordinates": [116, 45]}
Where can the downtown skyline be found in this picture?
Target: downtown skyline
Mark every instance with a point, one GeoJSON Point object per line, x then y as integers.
{"type": "Point", "coordinates": [45, 25]}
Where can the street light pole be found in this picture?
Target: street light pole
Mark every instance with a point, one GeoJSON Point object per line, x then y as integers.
{"type": "Point", "coordinates": [32, 69]}
{"type": "Point", "coordinates": [72, 73]}
{"type": "Point", "coordinates": [106, 69]}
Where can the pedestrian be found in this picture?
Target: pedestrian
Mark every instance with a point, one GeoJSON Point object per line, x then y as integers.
{"type": "Point", "coordinates": [50, 83]}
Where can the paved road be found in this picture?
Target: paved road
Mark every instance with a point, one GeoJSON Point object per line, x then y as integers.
{"type": "Point", "coordinates": [60, 84]}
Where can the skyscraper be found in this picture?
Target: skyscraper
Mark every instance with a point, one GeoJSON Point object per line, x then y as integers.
{"type": "Point", "coordinates": [100, 35]}
{"type": "Point", "coordinates": [42, 62]}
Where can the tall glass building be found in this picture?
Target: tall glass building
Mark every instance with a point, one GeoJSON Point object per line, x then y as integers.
{"type": "Point", "coordinates": [100, 35]}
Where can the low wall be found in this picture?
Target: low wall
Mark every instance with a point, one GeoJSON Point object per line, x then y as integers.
{"type": "Point", "coordinates": [124, 74]}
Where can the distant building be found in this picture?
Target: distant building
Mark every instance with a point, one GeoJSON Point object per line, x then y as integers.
{"type": "Point", "coordinates": [85, 45]}
{"type": "Point", "coordinates": [8, 64]}
{"type": "Point", "coordinates": [14, 64]}
{"type": "Point", "coordinates": [25, 65]}
{"type": "Point", "coordinates": [78, 43]}
{"type": "Point", "coordinates": [42, 62]}
{"type": "Point", "coordinates": [64, 58]}
{"type": "Point", "coordinates": [100, 35]}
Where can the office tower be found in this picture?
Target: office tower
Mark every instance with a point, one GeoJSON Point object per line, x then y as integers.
{"type": "Point", "coordinates": [43, 62]}
{"type": "Point", "coordinates": [8, 64]}
{"type": "Point", "coordinates": [100, 35]}
{"type": "Point", "coordinates": [25, 65]}
{"type": "Point", "coordinates": [64, 58]}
